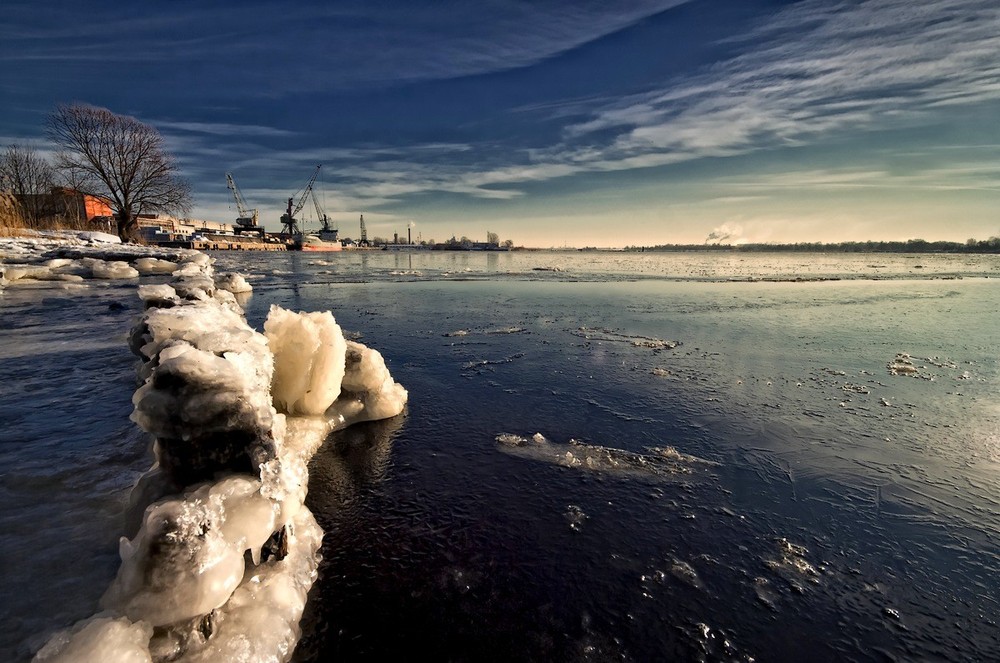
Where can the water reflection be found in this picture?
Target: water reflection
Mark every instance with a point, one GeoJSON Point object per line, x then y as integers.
{"type": "Point", "coordinates": [351, 462]}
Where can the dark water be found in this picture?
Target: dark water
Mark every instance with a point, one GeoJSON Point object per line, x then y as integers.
{"type": "Point", "coordinates": [837, 512]}
{"type": "Point", "coordinates": [68, 453]}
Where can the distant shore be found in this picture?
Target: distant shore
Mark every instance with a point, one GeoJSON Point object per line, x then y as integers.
{"type": "Point", "coordinates": [971, 246]}
{"type": "Point", "coordinates": [991, 245]}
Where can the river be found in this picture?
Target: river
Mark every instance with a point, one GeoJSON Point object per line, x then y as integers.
{"type": "Point", "coordinates": [605, 456]}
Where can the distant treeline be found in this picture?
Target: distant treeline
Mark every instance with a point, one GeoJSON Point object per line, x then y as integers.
{"type": "Point", "coordinates": [991, 245]}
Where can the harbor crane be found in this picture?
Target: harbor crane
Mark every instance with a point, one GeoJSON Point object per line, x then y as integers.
{"type": "Point", "coordinates": [246, 222]}
{"type": "Point", "coordinates": [364, 233]}
{"type": "Point", "coordinates": [321, 215]}
{"type": "Point", "coordinates": [289, 225]}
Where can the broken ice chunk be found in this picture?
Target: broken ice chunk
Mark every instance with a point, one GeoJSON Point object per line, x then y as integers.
{"type": "Point", "coordinates": [309, 354]}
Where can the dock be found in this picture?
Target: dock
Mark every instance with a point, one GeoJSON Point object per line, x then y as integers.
{"type": "Point", "coordinates": [224, 243]}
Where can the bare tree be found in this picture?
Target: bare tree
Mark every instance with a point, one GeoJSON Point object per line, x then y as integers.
{"type": "Point", "coordinates": [27, 175]}
{"type": "Point", "coordinates": [120, 159]}
{"type": "Point", "coordinates": [492, 238]}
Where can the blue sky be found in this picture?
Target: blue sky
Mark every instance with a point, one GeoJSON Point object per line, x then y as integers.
{"type": "Point", "coordinates": [550, 123]}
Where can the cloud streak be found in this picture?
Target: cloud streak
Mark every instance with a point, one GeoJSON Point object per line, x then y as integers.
{"type": "Point", "coordinates": [814, 70]}
{"type": "Point", "coordinates": [221, 129]}
{"type": "Point", "coordinates": [375, 44]}
{"type": "Point", "coordinates": [821, 68]}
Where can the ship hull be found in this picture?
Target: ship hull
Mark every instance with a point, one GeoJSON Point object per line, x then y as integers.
{"type": "Point", "coordinates": [317, 243]}
{"type": "Point", "coordinates": [324, 247]}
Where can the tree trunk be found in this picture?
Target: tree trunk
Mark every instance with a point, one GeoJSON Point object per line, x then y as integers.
{"type": "Point", "coordinates": [128, 226]}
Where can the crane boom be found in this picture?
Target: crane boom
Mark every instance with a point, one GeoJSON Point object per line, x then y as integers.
{"type": "Point", "coordinates": [247, 217]}
{"type": "Point", "coordinates": [305, 192]}
{"type": "Point", "coordinates": [288, 222]}
{"type": "Point", "coordinates": [321, 214]}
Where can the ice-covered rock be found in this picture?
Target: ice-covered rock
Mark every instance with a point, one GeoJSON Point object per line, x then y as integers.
{"type": "Point", "coordinates": [260, 623]}
{"type": "Point", "coordinates": [369, 390]}
{"type": "Point", "coordinates": [234, 283]}
{"type": "Point", "coordinates": [155, 266]}
{"type": "Point", "coordinates": [365, 369]}
{"type": "Point", "coordinates": [208, 327]}
{"type": "Point", "coordinates": [99, 640]}
{"type": "Point", "coordinates": [318, 372]}
{"type": "Point", "coordinates": [160, 296]}
{"type": "Point", "coordinates": [229, 300]}
{"type": "Point", "coordinates": [193, 278]}
{"type": "Point", "coordinates": [251, 518]}
{"type": "Point", "coordinates": [207, 393]}
{"type": "Point", "coordinates": [208, 413]}
{"type": "Point", "coordinates": [238, 468]}
{"type": "Point", "coordinates": [113, 269]}
{"type": "Point", "coordinates": [179, 566]}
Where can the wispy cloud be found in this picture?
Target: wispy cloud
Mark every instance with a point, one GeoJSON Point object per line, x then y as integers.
{"type": "Point", "coordinates": [815, 70]}
{"type": "Point", "coordinates": [221, 128]}
{"type": "Point", "coordinates": [963, 176]}
{"type": "Point", "coordinates": [820, 67]}
{"type": "Point", "coordinates": [354, 43]}
{"type": "Point", "coordinates": [812, 71]}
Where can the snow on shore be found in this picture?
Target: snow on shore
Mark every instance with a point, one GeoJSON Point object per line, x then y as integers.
{"type": "Point", "coordinates": [78, 257]}
{"type": "Point", "coordinates": [222, 550]}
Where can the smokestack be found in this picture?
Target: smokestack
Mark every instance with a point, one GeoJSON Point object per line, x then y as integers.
{"type": "Point", "coordinates": [409, 237]}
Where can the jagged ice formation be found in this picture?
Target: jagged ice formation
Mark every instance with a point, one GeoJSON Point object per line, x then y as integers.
{"type": "Point", "coordinates": [221, 549]}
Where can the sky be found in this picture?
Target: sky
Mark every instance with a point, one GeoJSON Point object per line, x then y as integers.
{"type": "Point", "coordinates": [547, 122]}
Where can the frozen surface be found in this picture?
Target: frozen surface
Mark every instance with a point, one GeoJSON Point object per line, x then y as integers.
{"type": "Point", "coordinates": [97, 237]}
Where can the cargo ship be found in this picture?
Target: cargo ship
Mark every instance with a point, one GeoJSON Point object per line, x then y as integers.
{"type": "Point", "coordinates": [325, 239]}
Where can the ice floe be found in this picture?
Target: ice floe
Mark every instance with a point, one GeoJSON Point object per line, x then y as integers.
{"type": "Point", "coordinates": [656, 461]}
{"type": "Point", "coordinates": [638, 341]}
{"type": "Point", "coordinates": [902, 365]}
